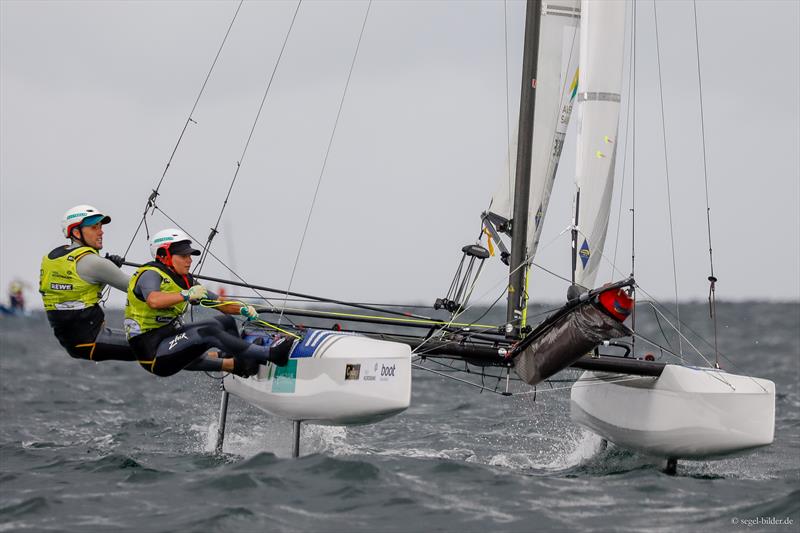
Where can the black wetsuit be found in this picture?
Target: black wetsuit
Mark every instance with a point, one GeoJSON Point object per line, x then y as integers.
{"type": "Point", "coordinates": [83, 335]}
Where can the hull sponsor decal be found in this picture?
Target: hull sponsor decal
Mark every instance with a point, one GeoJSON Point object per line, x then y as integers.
{"type": "Point", "coordinates": [285, 378]}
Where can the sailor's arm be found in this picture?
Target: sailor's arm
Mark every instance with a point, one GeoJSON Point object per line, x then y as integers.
{"type": "Point", "coordinates": [95, 269]}
{"type": "Point", "coordinates": [162, 300]}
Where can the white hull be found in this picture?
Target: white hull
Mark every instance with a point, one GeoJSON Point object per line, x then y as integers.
{"type": "Point", "coordinates": [336, 379]}
{"type": "Point", "coordinates": [686, 413]}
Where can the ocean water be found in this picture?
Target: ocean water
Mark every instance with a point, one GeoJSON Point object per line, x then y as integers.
{"type": "Point", "coordinates": [108, 447]}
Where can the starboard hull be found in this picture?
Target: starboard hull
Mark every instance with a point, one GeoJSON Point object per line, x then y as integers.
{"type": "Point", "coordinates": [686, 413]}
{"type": "Point", "coordinates": [333, 379]}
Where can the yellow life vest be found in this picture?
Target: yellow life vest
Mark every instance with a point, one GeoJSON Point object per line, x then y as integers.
{"type": "Point", "coordinates": [140, 317]}
{"type": "Point", "coordinates": [59, 283]}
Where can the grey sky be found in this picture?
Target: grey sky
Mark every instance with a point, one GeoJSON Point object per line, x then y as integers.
{"type": "Point", "coordinates": [93, 96]}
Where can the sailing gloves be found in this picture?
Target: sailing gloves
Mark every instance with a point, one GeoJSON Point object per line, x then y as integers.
{"type": "Point", "coordinates": [249, 312]}
{"type": "Point", "coordinates": [194, 293]}
{"type": "Point", "coordinates": [116, 259]}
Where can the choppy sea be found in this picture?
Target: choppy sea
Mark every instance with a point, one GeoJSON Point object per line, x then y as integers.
{"type": "Point", "coordinates": [107, 447]}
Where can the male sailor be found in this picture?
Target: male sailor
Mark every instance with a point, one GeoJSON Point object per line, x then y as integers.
{"type": "Point", "coordinates": [160, 292]}
{"type": "Point", "coordinates": [71, 281]}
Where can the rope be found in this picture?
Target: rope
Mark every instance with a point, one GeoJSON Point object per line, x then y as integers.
{"type": "Point", "coordinates": [633, 173]}
{"type": "Point", "coordinates": [666, 172]}
{"type": "Point", "coordinates": [255, 287]}
{"type": "Point", "coordinates": [628, 101]}
{"type": "Point", "coordinates": [327, 153]}
{"type": "Point", "coordinates": [214, 230]}
{"type": "Point", "coordinates": [399, 320]}
{"type": "Point", "coordinates": [215, 257]}
{"type": "Point", "coordinates": [152, 198]}
{"type": "Point", "coordinates": [712, 301]}
{"type": "Point", "coordinates": [214, 304]}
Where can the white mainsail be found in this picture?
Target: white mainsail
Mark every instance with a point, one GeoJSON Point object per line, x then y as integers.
{"type": "Point", "coordinates": [556, 83]}
{"type": "Point", "coordinates": [600, 81]}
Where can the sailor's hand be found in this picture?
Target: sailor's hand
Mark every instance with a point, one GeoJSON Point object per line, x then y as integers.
{"type": "Point", "coordinates": [116, 259]}
{"type": "Point", "coordinates": [194, 293]}
{"type": "Point", "coordinates": [249, 312]}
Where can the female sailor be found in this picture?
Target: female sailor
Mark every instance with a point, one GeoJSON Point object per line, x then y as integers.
{"type": "Point", "coordinates": [160, 292]}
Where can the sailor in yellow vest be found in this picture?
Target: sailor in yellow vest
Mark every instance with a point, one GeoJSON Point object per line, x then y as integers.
{"type": "Point", "coordinates": [160, 292]}
{"type": "Point", "coordinates": [71, 281]}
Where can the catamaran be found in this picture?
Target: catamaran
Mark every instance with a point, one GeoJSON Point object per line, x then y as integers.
{"type": "Point", "coordinates": [574, 54]}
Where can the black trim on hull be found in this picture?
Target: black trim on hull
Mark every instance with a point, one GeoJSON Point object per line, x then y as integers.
{"type": "Point", "coordinates": [622, 365]}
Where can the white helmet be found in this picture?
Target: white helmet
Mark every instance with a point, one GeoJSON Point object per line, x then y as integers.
{"type": "Point", "coordinates": [165, 238]}
{"type": "Point", "coordinates": [75, 217]}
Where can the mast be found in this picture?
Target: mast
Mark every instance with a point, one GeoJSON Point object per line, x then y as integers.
{"type": "Point", "coordinates": [517, 298]}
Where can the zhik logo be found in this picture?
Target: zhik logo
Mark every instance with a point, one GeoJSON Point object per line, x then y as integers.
{"type": "Point", "coordinates": [174, 341]}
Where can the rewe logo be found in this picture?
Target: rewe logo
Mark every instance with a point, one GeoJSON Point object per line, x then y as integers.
{"type": "Point", "coordinates": [174, 341]}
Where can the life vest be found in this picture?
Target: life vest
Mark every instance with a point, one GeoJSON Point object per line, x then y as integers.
{"type": "Point", "coordinates": [59, 283]}
{"type": "Point", "coordinates": [140, 317]}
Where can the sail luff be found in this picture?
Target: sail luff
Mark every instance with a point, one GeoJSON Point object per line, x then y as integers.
{"type": "Point", "coordinates": [600, 83]}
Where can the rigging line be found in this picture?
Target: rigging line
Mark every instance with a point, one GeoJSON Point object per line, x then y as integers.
{"type": "Point", "coordinates": [661, 329]}
{"type": "Point", "coordinates": [714, 373]}
{"type": "Point", "coordinates": [554, 239]}
{"type": "Point", "coordinates": [482, 372]}
{"type": "Point", "coordinates": [554, 274]}
{"type": "Point", "coordinates": [581, 385]}
{"type": "Point", "coordinates": [217, 258]}
{"type": "Point", "coordinates": [255, 288]}
{"type": "Point", "coordinates": [711, 278]}
{"type": "Point", "coordinates": [406, 320]}
{"type": "Point", "coordinates": [502, 293]}
{"type": "Point", "coordinates": [664, 310]}
{"type": "Point", "coordinates": [311, 300]}
{"type": "Point", "coordinates": [467, 382]}
{"type": "Point", "coordinates": [151, 199]}
{"type": "Point", "coordinates": [625, 153]}
{"type": "Point", "coordinates": [456, 315]}
{"type": "Point", "coordinates": [655, 301]}
{"type": "Point", "coordinates": [687, 340]}
{"type": "Point", "coordinates": [666, 173]}
{"type": "Point", "coordinates": [633, 177]}
{"type": "Point", "coordinates": [661, 312]}
{"type": "Point", "coordinates": [327, 153]}
{"type": "Point", "coordinates": [214, 231]}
